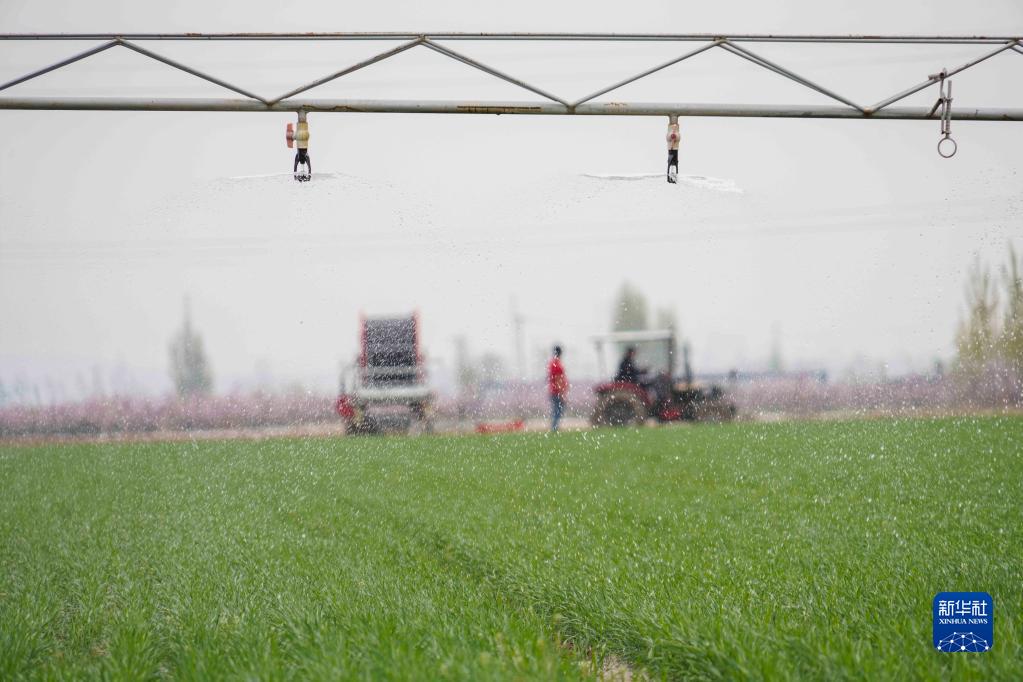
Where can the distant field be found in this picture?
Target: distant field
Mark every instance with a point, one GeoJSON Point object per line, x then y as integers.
{"type": "Point", "coordinates": [796, 550]}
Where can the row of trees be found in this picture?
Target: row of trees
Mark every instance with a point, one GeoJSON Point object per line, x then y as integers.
{"type": "Point", "coordinates": [990, 335]}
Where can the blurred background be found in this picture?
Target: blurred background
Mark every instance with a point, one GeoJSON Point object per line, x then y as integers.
{"type": "Point", "coordinates": [808, 265]}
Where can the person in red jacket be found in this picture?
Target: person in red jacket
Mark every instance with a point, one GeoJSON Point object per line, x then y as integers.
{"type": "Point", "coordinates": [557, 387]}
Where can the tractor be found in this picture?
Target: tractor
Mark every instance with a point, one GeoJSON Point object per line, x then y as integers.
{"type": "Point", "coordinates": [661, 395]}
{"type": "Point", "coordinates": [386, 388]}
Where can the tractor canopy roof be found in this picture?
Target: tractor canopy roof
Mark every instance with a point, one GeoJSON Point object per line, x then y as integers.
{"type": "Point", "coordinates": [655, 349]}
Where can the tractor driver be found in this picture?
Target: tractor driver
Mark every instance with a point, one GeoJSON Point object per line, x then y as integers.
{"type": "Point", "coordinates": [627, 370]}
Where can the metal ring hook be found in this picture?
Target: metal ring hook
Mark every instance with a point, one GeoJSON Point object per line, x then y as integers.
{"type": "Point", "coordinates": [942, 148]}
{"type": "Point", "coordinates": [945, 102]}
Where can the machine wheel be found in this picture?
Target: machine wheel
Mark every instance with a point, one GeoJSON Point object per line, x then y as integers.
{"type": "Point", "coordinates": [619, 408]}
{"type": "Point", "coordinates": [361, 425]}
{"type": "Point", "coordinates": [422, 421]}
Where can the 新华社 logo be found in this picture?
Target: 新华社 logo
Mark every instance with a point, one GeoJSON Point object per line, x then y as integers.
{"type": "Point", "coordinates": [963, 622]}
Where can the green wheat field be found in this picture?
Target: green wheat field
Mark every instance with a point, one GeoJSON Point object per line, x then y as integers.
{"type": "Point", "coordinates": [802, 550]}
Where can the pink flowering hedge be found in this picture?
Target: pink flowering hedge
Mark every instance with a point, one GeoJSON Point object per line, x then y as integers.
{"type": "Point", "coordinates": [799, 396]}
{"type": "Point", "coordinates": [141, 415]}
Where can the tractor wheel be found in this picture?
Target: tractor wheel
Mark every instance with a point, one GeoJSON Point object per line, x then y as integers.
{"type": "Point", "coordinates": [619, 408]}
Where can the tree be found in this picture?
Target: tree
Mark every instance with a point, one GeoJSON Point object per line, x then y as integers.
{"type": "Point", "coordinates": [666, 319]}
{"type": "Point", "coordinates": [189, 368]}
{"type": "Point", "coordinates": [630, 310]}
{"type": "Point", "coordinates": [977, 332]}
{"type": "Point", "coordinates": [1011, 340]}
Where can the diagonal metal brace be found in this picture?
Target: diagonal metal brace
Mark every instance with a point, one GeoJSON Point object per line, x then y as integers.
{"type": "Point", "coordinates": [448, 52]}
{"type": "Point", "coordinates": [60, 64]}
{"type": "Point", "coordinates": [644, 74]}
{"type": "Point", "coordinates": [932, 79]}
{"type": "Point", "coordinates": [782, 71]}
{"type": "Point", "coordinates": [351, 69]}
{"type": "Point", "coordinates": [189, 70]}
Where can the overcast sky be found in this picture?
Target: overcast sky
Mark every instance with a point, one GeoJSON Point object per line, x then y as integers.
{"type": "Point", "coordinates": [847, 240]}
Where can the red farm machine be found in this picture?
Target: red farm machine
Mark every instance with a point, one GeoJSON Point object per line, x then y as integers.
{"type": "Point", "coordinates": [659, 393]}
{"type": "Point", "coordinates": [386, 389]}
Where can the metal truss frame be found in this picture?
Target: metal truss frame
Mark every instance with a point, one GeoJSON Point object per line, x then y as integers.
{"type": "Point", "coordinates": [548, 103]}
